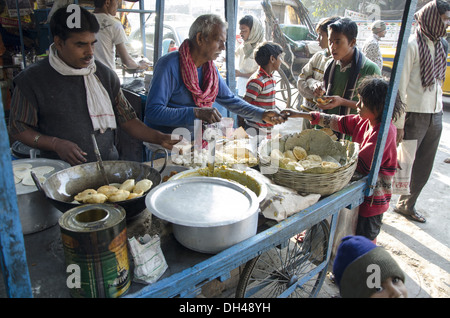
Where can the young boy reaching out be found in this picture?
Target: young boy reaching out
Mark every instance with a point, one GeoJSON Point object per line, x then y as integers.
{"type": "Point", "coordinates": [364, 128]}
{"type": "Point", "coordinates": [261, 85]}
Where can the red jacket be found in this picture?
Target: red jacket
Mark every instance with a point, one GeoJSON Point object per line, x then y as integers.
{"type": "Point", "coordinates": [361, 132]}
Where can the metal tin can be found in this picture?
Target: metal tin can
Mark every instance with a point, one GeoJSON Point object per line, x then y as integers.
{"type": "Point", "coordinates": [94, 238]}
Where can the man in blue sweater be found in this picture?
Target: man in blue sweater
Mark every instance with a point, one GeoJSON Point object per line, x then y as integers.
{"type": "Point", "coordinates": [186, 83]}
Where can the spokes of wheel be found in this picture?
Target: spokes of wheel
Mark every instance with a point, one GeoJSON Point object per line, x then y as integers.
{"type": "Point", "coordinates": [295, 269]}
{"type": "Point", "coordinates": [287, 95]}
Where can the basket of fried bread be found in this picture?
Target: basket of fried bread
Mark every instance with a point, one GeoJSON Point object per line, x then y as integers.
{"type": "Point", "coordinates": [309, 161]}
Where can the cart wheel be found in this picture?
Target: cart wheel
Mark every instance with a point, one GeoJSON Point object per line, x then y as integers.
{"type": "Point", "coordinates": [287, 95]}
{"type": "Point", "coordinates": [302, 261]}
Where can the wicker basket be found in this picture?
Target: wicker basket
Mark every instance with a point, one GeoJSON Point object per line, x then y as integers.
{"type": "Point", "coordinates": [311, 182]}
{"type": "Point", "coordinates": [321, 183]}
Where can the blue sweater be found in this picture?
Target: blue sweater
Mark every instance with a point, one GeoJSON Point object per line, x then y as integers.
{"type": "Point", "coordinates": [170, 104]}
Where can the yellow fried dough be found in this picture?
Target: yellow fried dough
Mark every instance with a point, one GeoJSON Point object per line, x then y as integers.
{"type": "Point", "coordinates": [290, 154]}
{"type": "Point", "coordinates": [323, 101]}
{"type": "Point", "coordinates": [328, 164]}
{"type": "Point", "coordinates": [107, 190]}
{"type": "Point", "coordinates": [276, 154]}
{"type": "Point", "coordinates": [128, 185]}
{"type": "Point", "coordinates": [314, 158]}
{"type": "Point", "coordinates": [142, 186]}
{"type": "Point", "coordinates": [80, 197]}
{"type": "Point", "coordinates": [119, 195]}
{"type": "Point", "coordinates": [299, 153]}
{"type": "Point", "coordinates": [308, 164]}
{"type": "Point", "coordinates": [133, 195]}
{"type": "Point", "coordinates": [95, 198]}
{"type": "Point", "coordinates": [286, 162]}
{"type": "Point", "coordinates": [293, 165]}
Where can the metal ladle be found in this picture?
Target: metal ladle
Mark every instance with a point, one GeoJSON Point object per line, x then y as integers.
{"type": "Point", "coordinates": [99, 159]}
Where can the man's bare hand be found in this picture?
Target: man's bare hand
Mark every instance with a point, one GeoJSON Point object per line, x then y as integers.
{"type": "Point", "coordinates": [273, 117]}
{"type": "Point", "coordinates": [143, 65]}
{"type": "Point", "coordinates": [69, 151]}
{"type": "Point", "coordinates": [168, 141]}
{"type": "Point", "coordinates": [209, 115]}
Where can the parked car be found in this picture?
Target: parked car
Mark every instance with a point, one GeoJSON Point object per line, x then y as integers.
{"type": "Point", "coordinates": [172, 30]}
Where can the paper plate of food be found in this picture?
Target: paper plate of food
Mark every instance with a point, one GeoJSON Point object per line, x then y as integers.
{"type": "Point", "coordinates": [323, 100]}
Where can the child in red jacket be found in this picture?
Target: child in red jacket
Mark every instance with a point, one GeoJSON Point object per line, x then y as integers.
{"type": "Point", "coordinates": [364, 128]}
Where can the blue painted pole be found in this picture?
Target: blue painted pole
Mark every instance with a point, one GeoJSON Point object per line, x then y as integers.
{"type": "Point", "coordinates": [231, 8]}
{"type": "Point", "coordinates": [13, 259]}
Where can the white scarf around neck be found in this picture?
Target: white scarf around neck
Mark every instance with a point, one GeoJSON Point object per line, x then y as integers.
{"type": "Point", "coordinates": [98, 101]}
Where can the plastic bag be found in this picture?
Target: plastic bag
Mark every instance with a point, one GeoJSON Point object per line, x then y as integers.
{"type": "Point", "coordinates": [282, 202]}
{"type": "Point", "coordinates": [406, 153]}
{"type": "Point", "coordinates": [346, 225]}
{"type": "Point", "coordinates": [149, 261]}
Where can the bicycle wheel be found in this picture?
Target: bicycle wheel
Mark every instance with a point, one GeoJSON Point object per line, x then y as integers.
{"type": "Point", "coordinates": [302, 263]}
{"type": "Point", "coordinates": [287, 95]}
{"type": "Point", "coordinates": [283, 90]}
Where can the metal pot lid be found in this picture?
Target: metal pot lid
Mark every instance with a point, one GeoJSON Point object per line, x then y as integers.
{"type": "Point", "coordinates": [201, 202]}
{"type": "Point", "coordinates": [58, 165]}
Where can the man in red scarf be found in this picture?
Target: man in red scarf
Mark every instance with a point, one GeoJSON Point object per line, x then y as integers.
{"type": "Point", "coordinates": [186, 83]}
{"type": "Point", "coordinates": [421, 88]}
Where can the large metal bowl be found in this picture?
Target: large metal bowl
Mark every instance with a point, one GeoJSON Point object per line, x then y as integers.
{"type": "Point", "coordinates": [242, 177]}
{"type": "Point", "coordinates": [35, 211]}
{"type": "Point", "coordinates": [208, 214]}
{"type": "Point", "coordinates": [61, 187]}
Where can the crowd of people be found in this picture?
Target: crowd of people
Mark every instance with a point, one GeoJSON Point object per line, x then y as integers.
{"type": "Point", "coordinates": [60, 101]}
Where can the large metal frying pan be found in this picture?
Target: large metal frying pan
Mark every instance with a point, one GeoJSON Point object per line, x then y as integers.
{"type": "Point", "coordinates": [61, 187]}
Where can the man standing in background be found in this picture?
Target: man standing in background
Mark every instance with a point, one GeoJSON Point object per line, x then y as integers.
{"type": "Point", "coordinates": [421, 89]}
{"type": "Point", "coordinates": [371, 48]}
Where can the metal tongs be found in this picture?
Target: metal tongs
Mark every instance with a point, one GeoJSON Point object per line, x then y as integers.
{"type": "Point", "coordinates": [99, 159]}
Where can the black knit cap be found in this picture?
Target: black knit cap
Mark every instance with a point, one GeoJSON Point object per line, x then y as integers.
{"type": "Point", "coordinates": [352, 269]}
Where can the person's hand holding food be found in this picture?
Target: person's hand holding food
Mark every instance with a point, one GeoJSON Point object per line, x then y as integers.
{"type": "Point", "coordinates": [329, 102]}
{"type": "Point", "coordinates": [143, 65]}
{"type": "Point", "coordinates": [273, 117]}
{"type": "Point", "coordinates": [318, 90]}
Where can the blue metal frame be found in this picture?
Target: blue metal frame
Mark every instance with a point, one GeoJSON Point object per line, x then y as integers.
{"type": "Point", "coordinates": [187, 282]}
{"type": "Point", "coordinates": [13, 260]}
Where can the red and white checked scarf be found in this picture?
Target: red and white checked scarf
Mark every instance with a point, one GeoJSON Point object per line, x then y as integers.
{"type": "Point", "coordinates": [205, 96]}
{"type": "Point", "coordinates": [431, 25]}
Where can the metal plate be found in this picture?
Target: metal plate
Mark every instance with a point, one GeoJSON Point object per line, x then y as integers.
{"type": "Point", "coordinates": [38, 162]}
{"type": "Point", "coordinates": [201, 202]}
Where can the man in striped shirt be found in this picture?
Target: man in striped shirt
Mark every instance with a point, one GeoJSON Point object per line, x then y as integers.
{"type": "Point", "coordinates": [261, 85]}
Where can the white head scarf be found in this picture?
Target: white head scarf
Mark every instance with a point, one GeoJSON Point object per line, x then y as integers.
{"type": "Point", "coordinates": [256, 36]}
{"type": "Point", "coordinates": [98, 101]}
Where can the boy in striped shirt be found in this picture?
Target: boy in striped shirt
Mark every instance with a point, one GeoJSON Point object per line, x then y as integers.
{"type": "Point", "coordinates": [261, 85]}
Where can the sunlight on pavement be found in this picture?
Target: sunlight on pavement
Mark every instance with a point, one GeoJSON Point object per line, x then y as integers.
{"type": "Point", "coordinates": [443, 178]}
{"type": "Point", "coordinates": [427, 276]}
